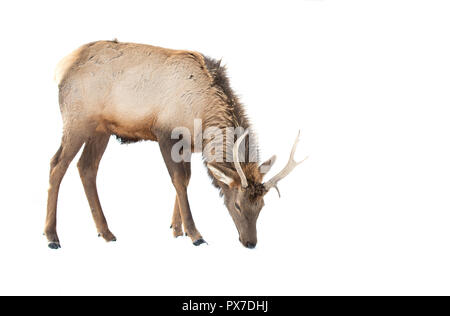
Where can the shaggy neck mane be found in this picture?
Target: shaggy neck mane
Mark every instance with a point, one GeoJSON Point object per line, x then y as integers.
{"type": "Point", "coordinates": [229, 112]}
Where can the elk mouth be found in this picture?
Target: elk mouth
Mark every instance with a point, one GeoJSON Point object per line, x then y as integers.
{"type": "Point", "coordinates": [247, 244]}
{"type": "Point", "coordinates": [250, 245]}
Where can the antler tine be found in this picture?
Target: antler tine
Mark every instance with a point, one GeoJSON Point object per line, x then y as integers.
{"type": "Point", "coordinates": [237, 164]}
{"type": "Point", "coordinates": [291, 164]}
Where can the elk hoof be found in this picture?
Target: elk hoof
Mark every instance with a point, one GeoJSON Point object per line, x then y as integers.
{"type": "Point", "coordinates": [177, 233]}
{"type": "Point", "coordinates": [198, 242]}
{"type": "Point", "coordinates": [107, 236]}
{"type": "Point", "coordinates": [54, 245]}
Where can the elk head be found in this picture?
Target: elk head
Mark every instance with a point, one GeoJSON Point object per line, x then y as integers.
{"type": "Point", "coordinates": [244, 196]}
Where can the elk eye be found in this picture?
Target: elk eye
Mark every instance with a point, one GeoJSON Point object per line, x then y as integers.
{"type": "Point", "coordinates": [237, 207]}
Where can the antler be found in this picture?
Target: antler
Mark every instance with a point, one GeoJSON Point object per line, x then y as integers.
{"type": "Point", "coordinates": [272, 183]}
{"type": "Point", "coordinates": [237, 165]}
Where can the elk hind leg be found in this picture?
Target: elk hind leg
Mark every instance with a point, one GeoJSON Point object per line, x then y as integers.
{"type": "Point", "coordinates": [176, 220]}
{"type": "Point", "coordinates": [88, 168]}
{"type": "Point", "coordinates": [70, 145]}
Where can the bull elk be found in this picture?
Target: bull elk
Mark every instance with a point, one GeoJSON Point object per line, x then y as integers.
{"type": "Point", "coordinates": [142, 92]}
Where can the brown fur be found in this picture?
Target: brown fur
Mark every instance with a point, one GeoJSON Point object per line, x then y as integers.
{"type": "Point", "coordinates": [141, 92]}
{"type": "Point", "coordinates": [130, 134]}
{"type": "Point", "coordinates": [231, 113]}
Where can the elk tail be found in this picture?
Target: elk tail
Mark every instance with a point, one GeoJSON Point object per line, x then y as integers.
{"type": "Point", "coordinates": [65, 64]}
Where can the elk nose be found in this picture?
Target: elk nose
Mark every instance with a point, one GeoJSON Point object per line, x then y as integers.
{"type": "Point", "coordinates": [250, 245]}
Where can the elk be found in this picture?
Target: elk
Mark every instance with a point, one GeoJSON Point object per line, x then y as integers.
{"type": "Point", "coordinates": [141, 92]}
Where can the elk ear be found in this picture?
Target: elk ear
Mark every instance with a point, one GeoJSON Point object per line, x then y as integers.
{"type": "Point", "coordinates": [266, 166]}
{"type": "Point", "coordinates": [220, 175]}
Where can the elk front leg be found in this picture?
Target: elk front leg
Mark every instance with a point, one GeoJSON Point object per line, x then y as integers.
{"type": "Point", "coordinates": [180, 173]}
{"type": "Point", "coordinates": [186, 215]}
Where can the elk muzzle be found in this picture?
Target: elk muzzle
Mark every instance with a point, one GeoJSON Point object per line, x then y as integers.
{"type": "Point", "coordinates": [247, 235]}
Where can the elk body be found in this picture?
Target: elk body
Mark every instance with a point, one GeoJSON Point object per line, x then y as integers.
{"type": "Point", "coordinates": [142, 92]}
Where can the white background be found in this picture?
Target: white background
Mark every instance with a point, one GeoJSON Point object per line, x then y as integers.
{"type": "Point", "coordinates": [367, 82]}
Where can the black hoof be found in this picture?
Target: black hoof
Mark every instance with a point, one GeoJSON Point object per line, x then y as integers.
{"type": "Point", "coordinates": [198, 242]}
{"type": "Point", "coordinates": [170, 226]}
{"type": "Point", "coordinates": [54, 245]}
